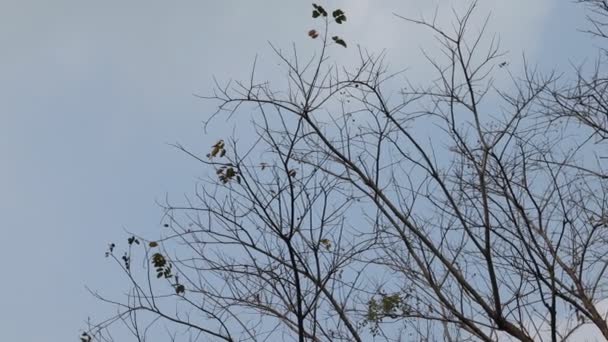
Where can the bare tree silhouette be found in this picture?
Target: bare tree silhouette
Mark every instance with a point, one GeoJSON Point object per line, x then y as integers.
{"type": "Point", "coordinates": [362, 208]}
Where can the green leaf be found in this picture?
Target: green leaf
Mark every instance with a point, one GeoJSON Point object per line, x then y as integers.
{"type": "Point", "coordinates": [339, 16]}
{"type": "Point", "coordinates": [326, 243]}
{"type": "Point", "coordinates": [153, 244]}
{"type": "Point", "coordinates": [319, 10]}
{"type": "Point", "coordinates": [339, 41]}
{"type": "Point", "coordinates": [315, 14]}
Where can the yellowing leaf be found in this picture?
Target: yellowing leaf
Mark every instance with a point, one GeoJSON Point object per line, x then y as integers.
{"type": "Point", "coordinates": [326, 243]}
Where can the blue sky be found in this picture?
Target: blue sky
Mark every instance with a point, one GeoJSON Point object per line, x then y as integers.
{"type": "Point", "coordinates": [92, 92]}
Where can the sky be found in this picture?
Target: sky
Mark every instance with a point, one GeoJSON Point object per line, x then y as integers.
{"type": "Point", "coordinates": [93, 92]}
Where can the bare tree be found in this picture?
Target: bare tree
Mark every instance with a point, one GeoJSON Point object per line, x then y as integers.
{"type": "Point", "coordinates": [585, 101]}
{"type": "Point", "coordinates": [365, 209]}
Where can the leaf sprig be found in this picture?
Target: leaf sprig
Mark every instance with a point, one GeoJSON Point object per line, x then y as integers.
{"type": "Point", "coordinates": [318, 11]}
{"type": "Point", "coordinates": [339, 41]}
{"type": "Point", "coordinates": [339, 16]}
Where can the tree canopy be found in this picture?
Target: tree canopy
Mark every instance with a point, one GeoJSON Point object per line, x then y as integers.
{"type": "Point", "coordinates": [363, 207]}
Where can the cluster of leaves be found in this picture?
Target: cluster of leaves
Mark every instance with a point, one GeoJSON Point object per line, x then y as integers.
{"type": "Point", "coordinates": [179, 288]}
{"type": "Point", "coordinates": [110, 249]}
{"type": "Point", "coordinates": [318, 11]}
{"type": "Point", "coordinates": [228, 173]}
{"type": "Point", "coordinates": [133, 240]}
{"type": "Point", "coordinates": [326, 243]}
{"type": "Point", "coordinates": [225, 173]}
{"type": "Point", "coordinates": [163, 268]}
{"type": "Point", "coordinates": [339, 41]}
{"type": "Point", "coordinates": [339, 18]}
{"type": "Point", "coordinates": [217, 150]}
{"type": "Point", "coordinates": [127, 260]}
{"type": "Point", "coordinates": [313, 34]}
{"type": "Point", "coordinates": [125, 257]}
{"type": "Point", "coordinates": [391, 306]}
